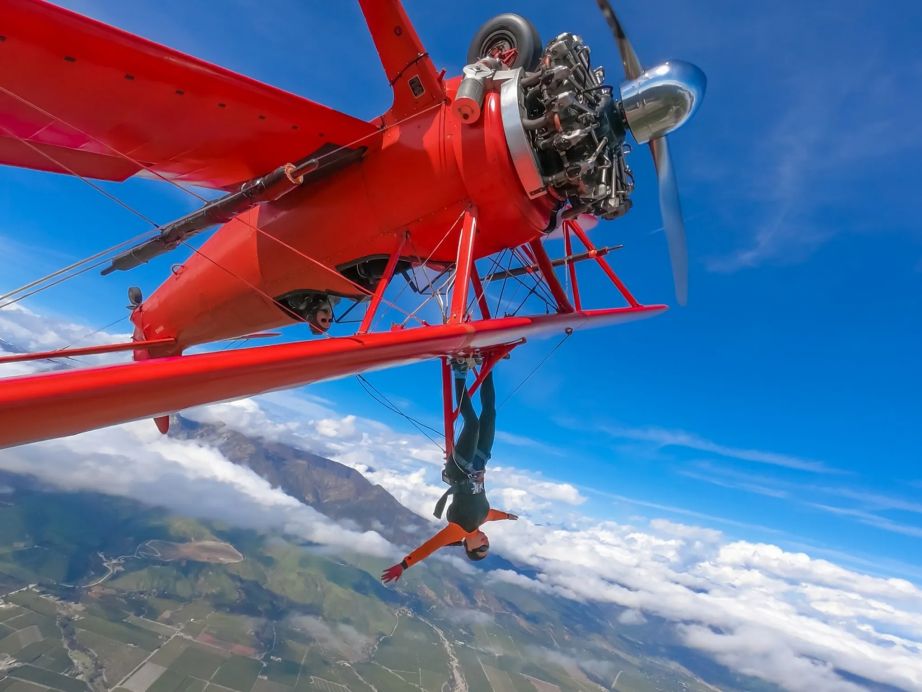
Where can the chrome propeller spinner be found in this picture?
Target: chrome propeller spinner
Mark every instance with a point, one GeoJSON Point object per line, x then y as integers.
{"type": "Point", "coordinates": [656, 102]}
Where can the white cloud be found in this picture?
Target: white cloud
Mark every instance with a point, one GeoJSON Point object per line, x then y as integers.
{"type": "Point", "coordinates": [507, 576]}
{"type": "Point", "coordinates": [605, 670]}
{"type": "Point", "coordinates": [866, 501]}
{"type": "Point", "coordinates": [135, 461]}
{"type": "Point", "coordinates": [469, 616]}
{"type": "Point", "coordinates": [695, 533]}
{"type": "Point", "coordinates": [753, 651]}
{"type": "Point", "coordinates": [336, 637]}
{"type": "Point", "coordinates": [631, 617]}
{"type": "Point", "coordinates": [406, 465]}
{"type": "Point", "coordinates": [663, 437]}
{"type": "Point", "coordinates": [536, 486]}
{"type": "Point", "coordinates": [764, 611]}
{"type": "Point", "coordinates": [23, 331]}
{"type": "Point", "coordinates": [783, 616]}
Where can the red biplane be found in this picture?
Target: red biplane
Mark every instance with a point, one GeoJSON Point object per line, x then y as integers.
{"type": "Point", "coordinates": [317, 211]}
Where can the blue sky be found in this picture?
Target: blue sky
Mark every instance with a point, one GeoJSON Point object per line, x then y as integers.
{"type": "Point", "coordinates": [783, 402]}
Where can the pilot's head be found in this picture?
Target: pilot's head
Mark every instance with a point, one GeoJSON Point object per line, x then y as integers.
{"type": "Point", "coordinates": [321, 319]}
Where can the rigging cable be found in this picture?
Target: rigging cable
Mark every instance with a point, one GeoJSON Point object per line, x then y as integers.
{"type": "Point", "coordinates": [540, 283]}
{"type": "Point", "coordinates": [95, 332]}
{"type": "Point", "coordinates": [147, 235]}
{"type": "Point", "coordinates": [388, 404]}
{"type": "Point", "coordinates": [53, 283]}
{"type": "Point", "coordinates": [365, 383]}
{"type": "Point", "coordinates": [253, 227]}
{"type": "Point", "coordinates": [567, 335]}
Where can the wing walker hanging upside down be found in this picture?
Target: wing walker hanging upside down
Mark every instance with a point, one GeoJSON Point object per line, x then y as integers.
{"type": "Point", "coordinates": [465, 468]}
{"type": "Point", "coordinates": [319, 209]}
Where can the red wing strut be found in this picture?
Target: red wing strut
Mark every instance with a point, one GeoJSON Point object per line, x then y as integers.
{"type": "Point", "coordinates": [40, 407]}
{"type": "Point", "coordinates": [106, 104]}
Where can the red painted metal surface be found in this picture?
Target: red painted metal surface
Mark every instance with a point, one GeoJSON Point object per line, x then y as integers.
{"type": "Point", "coordinates": [606, 267]}
{"type": "Point", "coordinates": [40, 407]}
{"type": "Point", "coordinates": [84, 351]}
{"type": "Point", "coordinates": [415, 183]}
{"type": "Point", "coordinates": [571, 268]}
{"type": "Point", "coordinates": [547, 271]}
{"type": "Point", "coordinates": [104, 103]}
{"type": "Point", "coordinates": [480, 293]}
{"type": "Point", "coordinates": [130, 103]}
{"type": "Point", "coordinates": [406, 63]}
{"type": "Point", "coordinates": [463, 266]}
{"type": "Point", "coordinates": [379, 290]}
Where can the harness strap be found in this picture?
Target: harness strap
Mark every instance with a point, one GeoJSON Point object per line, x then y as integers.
{"type": "Point", "coordinates": [473, 485]}
{"type": "Point", "coordinates": [440, 505]}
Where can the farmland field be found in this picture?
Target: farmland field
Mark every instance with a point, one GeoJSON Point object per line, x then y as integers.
{"type": "Point", "coordinates": [140, 601]}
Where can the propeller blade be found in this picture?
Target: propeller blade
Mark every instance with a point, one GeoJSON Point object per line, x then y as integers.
{"type": "Point", "coordinates": [669, 203]}
{"type": "Point", "coordinates": [671, 210]}
{"type": "Point", "coordinates": [632, 67]}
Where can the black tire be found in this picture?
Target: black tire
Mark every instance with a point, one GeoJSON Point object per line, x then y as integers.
{"type": "Point", "coordinates": [508, 31]}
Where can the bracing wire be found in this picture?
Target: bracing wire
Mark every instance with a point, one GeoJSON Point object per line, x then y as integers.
{"type": "Point", "coordinates": [476, 297]}
{"type": "Point", "coordinates": [434, 250]}
{"type": "Point", "coordinates": [146, 235]}
{"type": "Point", "coordinates": [371, 390]}
{"type": "Point", "coordinates": [535, 369]}
{"type": "Point", "coordinates": [45, 287]}
{"type": "Point", "coordinates": [298, 317]}
{"type": "Point", "coordinates": [253, 227]}
{"type": "Point", "coordinates": [95, 332]}
{"type": "Point", "coordinates": [540, 285]}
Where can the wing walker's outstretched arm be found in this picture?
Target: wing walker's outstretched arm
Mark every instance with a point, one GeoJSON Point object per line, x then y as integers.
{"type": "Point", "coordinates": [450, 535]}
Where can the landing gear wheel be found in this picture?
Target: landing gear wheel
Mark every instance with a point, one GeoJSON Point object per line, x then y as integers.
{"type": "Point", "coordinates": [509, 37]}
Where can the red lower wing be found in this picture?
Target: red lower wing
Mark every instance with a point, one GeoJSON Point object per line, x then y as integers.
{"type": "Point", "coordinates": [41, 407]}
{"type": "Point", "coordinates": [79, 96]}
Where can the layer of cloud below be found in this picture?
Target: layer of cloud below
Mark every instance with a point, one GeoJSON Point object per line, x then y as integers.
{"type": "Point", "coordinates": [783, 616]}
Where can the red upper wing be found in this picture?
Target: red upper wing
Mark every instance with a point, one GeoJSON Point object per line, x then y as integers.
{"type": "Point", "coordinates": [91, 99]}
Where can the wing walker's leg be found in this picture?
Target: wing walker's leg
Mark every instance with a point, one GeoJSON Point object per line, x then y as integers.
{"type": "Point", "coordinates": [448, 409]}
{"type": "Point", "coordinates": [466, 444]}
{"type": "Point", "coordinates": [450, 413]}
{"type": "Point", "coordinates": [487, 427]}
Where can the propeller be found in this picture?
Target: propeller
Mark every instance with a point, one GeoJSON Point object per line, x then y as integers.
{"type": "Point", "coordinates": [656, 102]}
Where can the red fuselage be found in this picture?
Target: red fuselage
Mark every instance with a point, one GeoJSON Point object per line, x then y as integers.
{"type": "Point", "coordinates": [417, 176]}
